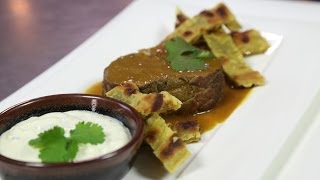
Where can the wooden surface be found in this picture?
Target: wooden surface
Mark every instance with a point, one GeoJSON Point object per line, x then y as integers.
{"type": "Point", "coordinates": [36, 34]}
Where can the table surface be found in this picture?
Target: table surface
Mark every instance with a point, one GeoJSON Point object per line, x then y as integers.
{"type": "Point", "coordinates": [36, 34]}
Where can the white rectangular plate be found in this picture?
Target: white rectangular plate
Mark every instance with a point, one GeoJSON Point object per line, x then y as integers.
{"type": "Point", "coordinates": [250, 143]}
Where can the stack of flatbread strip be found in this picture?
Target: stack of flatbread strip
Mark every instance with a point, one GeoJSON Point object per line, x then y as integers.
{"type": "Point", "coordinates": [191, 29]}
{"type": "Point", "coordinates": [168, 147]}
{"type": "Point", "coordinates": [222, 34]}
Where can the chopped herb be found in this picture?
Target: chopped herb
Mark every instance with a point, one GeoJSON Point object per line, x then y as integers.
{"type": "Point", "coordinates": [184, 56]}
{"type": "Point", "coordinates": [54, 147]}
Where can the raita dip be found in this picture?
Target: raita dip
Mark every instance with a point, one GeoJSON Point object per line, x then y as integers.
{"type": "Point", "coordinates": [14, 142]}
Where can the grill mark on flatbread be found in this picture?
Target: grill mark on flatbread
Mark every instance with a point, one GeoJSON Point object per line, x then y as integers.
{"type": "Point", "coordinates": [157, 103]}
{"type": "Point", "coordinates": [151, 135]}
{"type": "Point", "coordinates": [129, 89]}
{"type": "Point", "coordinates": [144, 103]}
{"type": "Point", "coordinates": [175, 144]}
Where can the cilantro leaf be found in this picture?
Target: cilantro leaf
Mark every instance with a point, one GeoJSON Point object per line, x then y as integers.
{"type": "Point", "coordinates": [184, 56]}
{"type": "Point", "coordinates": [87, 133]}
{"type": "Point", "coordinates": [47, 137]}
{"type": "Point", "coordinates": [177, 47]}
{"type": "Point", "coordinates": [54, 147]}
{"type": "Point", "coordinates": [72, 148]}
{"type": "Point", "coordinates": [54, 152]}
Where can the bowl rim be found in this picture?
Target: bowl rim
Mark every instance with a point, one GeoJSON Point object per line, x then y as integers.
{"type": "Point", "coordinates": [135, 139]}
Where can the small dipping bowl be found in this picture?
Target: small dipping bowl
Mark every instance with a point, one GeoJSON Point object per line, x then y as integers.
{"type": "Point", "coordinates": [113, 165]}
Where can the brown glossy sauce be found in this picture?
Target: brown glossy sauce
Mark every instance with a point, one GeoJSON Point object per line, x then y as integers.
{"type": "Point", "coordinates": [208, 120]}
{"type": "Point", "coordinates": [144, 67]}
{"type": "Point", "coordinates": [95, 89]}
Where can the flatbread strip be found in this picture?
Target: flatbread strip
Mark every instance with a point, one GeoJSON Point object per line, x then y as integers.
{"type": "Point", "coordinates": [250, 42]}
{"type": "Point", "coordinates": [145, 104]}
{"type": "Point", "coordinates": [166, 145]}
{"type": "Point", "coordinates": [222, 45]}
{"type": "Point", "coordinates": [231, 48]}
{"type": "Point", "coordinates": [180, 17]}
{"type": "Point", "coordinates": [187, 130]}
{"type": "Point", "coordinates": [192, 29]}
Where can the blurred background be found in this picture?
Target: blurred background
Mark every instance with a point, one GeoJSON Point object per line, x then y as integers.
{"type": "Point", "coordinates": [36, 34]}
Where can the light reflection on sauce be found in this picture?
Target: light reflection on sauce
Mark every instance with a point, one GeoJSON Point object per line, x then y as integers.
{"type": "Point", "coordinates": [208, 120]}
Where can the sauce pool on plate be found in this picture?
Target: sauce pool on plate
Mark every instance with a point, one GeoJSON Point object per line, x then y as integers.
{"type": "Point", "coordinates": [208, 120]}
{"type": "Point", "coordinates": [14, 142]}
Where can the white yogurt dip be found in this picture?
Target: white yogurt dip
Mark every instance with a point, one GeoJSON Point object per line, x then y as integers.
{"type": "Point", "coordinates": [14, 142]}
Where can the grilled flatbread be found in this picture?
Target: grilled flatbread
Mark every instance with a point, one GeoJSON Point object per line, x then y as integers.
{"type": "Point", "coordinates": [188, 130]}
{"type": "Point", "coordinates": [192, 29]}
{"type": "Point", "coordinates": [168, 147]}
{"type": "Point", "coordinates": [180, 17]}
{"type": "Point", "coordinates": [222, 46]}
{"type": "Point", "coordinates": [209, 26]}
{"type": "Point", "coordinates": [145, 104]}
{"type": "Point", "coordinates": [250, 42]}
{"type": "Point", "coordinates": [166, 144]}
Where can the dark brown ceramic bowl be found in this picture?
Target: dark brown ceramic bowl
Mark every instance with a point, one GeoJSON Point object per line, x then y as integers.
{"type": "Point", "coordinates": [109, 166]}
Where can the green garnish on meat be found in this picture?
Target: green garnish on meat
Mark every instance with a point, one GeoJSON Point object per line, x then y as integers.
{"type": "Point", "coordinates": [184, 56]}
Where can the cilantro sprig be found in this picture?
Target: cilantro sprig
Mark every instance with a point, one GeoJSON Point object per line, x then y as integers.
{"type": "Point", "coordinates": [54, 147]}
{"type": "Point", "coordinates": [184, 56]}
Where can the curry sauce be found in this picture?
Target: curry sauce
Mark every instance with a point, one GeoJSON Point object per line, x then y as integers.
{"type": "Point", "coordinates": [150, 65]}
{"type": "Point", "coordinates": [208, 120]}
